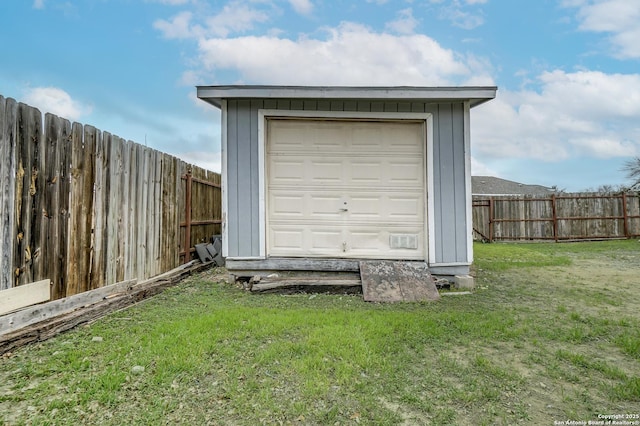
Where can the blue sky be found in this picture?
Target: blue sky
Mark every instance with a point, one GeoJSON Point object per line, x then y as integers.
{"type": "Point", "coordinates": [568, 71]}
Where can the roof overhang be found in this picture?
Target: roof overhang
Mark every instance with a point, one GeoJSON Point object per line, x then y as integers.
{"type": "Point", "coordinates": [475, 95]}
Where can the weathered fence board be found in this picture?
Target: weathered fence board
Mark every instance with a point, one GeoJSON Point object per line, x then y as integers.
{"type": "Point", "coordinates": [559, 217]}
{"type": "Point", "coordinates": [50, 237]}
{"type": "Point", "coordinates": [29, 188]}
{"type": "Point", "coordinates": [85, 208]}
{"type": "Point", "coordinates": [8, 122]}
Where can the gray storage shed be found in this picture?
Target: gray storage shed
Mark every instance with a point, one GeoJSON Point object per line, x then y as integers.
{"type": "Point", "coordinates": [318, 178]}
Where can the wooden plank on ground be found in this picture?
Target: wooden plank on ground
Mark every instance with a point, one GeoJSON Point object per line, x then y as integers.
{"type": "Point", "coordinates": [294, 264]}
{"type": "Point", "coordinates": [46, 329]}
{"type": "Point", "coordinates": [283, 283]}
{"type": "Point", "coordinates": [24, 295]}
{"type": "Point", "coordinates": [28, 316]}
{"type": "Point", "coordinates": [394, 281]}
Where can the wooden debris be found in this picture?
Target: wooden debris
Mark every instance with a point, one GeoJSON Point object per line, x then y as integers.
{"type": "Point", "coordinates": [302, 281]}
{"type": "Point", "coordinates": [24, 295]}
{"type": "Point", "coordinates": [43, 330]}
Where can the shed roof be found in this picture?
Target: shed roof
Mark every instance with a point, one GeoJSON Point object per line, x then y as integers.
{"type": "Point", "coordinates": [475, 95]}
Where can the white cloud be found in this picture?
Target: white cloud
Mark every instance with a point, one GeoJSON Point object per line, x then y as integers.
{"type": "Point", "coordinates": [345, 56]}
{"type": "Point", "coordinates": [459, 14]}
{"type": "Point", "coordinates": [178, 27]}
{"type": "Point", "coordinates": [207, 159]}
{"type": "Point", "coordinates": [619, 18]}
{"type": "Point", "coordinates": [480, 169]}
{"type": "Point", "coordinates": [55, 101]}
{"type": "Point", "coordinates": [586, 113]}
{"type": "Point", "coordinates": [38, 4]}
{"type": "Point", "coordinates": [191, 78]}
{"type": "Point", "coordinates": [462, 19]}
{"type": "Point", "coordinates": [233, 18]}
{"type": "Point", "coordinates": [405, 23]}
{"type": "Point", "coordinates": [303, 7]}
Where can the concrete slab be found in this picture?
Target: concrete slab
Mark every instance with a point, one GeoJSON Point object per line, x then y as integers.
{"type": "Point", "coordinates": [396, 281]}
{"type": "Point", "coordinates": [464, 281]}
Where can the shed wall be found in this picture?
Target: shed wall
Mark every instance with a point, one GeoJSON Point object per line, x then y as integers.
{"type": "Point", "coordinates": [449, 169]}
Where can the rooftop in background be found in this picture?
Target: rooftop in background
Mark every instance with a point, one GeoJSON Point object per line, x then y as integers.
{"type": "Point", "coordinates": [489, 185]}
{"type": "Point", "coordinates": [475, 95]}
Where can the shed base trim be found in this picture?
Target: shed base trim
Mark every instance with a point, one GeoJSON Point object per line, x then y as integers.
{"type": "Point", "coordinates": [264, 267]}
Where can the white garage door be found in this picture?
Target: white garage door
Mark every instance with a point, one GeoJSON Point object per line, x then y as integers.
{"type": "Point", "coordinates": [346, 189]}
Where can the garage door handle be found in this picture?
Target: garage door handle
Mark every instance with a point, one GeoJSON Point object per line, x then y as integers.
{"type": "Point", "coordinates": [344, 210]}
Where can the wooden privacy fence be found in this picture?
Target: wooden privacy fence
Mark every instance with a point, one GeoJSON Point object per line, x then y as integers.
{"type": "Point", "coordinates": [86, 208]}
{"type": "Point", "coordinates": [559, 217]}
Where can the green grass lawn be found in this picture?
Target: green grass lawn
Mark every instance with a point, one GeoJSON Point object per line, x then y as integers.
{"type": "Point", "coordinates": [552, 333]}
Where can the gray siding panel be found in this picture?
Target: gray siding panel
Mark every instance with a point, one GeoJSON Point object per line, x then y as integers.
{"type": "Point", "coordinates": [255, 180]}
{"type": "Point", "coordinates": [351, 106]}
{"type": "Point", "coordinates": [232, 179]}
{"type": "Point", "coordinates": [444, 201]}
{"type": "Point", "coordinates": [460, 199]}
{"type": "Point", "coordinates": [404, 107]}
{"type": "Point", "coordinates": [448, 162]}
{"type": "Point", "coordinates": [364, 106]}
{"type": "Point", "coordinates": [245, 190]}
{"type": "Point", "coordinates": [324, 105]}
{"type": "Point", "coordinates": [449, 184]}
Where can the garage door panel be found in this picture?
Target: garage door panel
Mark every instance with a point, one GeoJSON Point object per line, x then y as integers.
{"type": "Point", "coordinates": [408, 207]}
{"type": "Point", "coordinates": [384, 136]}
{"type": "Point", "coordinates": [382, 174]}
{"type": "Point", "coordinates": [371, 244]}
{"type": "Point", "coordinates": [287, 239]}
{"type": "Point", "coordinates": [365, 172]}
{"type": "Point", "coordinates": [345, 136]}
{"type": "Point", "coordinates": [379, 207]}
{"type": "Point", "coordinates": [345, 189]}
{"type": "Point", "coordinates": [407, 172]}
{"type": "Point", "coordinates": [325, 240]}
{"type": "Point", "coordinates": [286, 205]}
{"type": "Point", "coordinates": [324, 206]}
{"type": "Point", "coordinates": [326, 171]}
{"type": "Point", "coordinates": [287, 170]}
{"type": "Point", "coordinates": [365, 207]}
{"type": "Point", "coordinates": [357, 241]}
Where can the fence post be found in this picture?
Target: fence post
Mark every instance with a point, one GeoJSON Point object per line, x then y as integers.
{"type": "Point", "coordinates": [555, 217]}
{"type": "Point", "coordinates": [491, 212]}
{"type": "Point", "coordinates": [625, 215]}
{"type": "Point", "coordinates": [187, 217]}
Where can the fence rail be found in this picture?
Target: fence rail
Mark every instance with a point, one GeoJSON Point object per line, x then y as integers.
{"type": "Point", "coordinates": [563, 217]}
{"type": "Point", "coordinates": [86, 208]}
